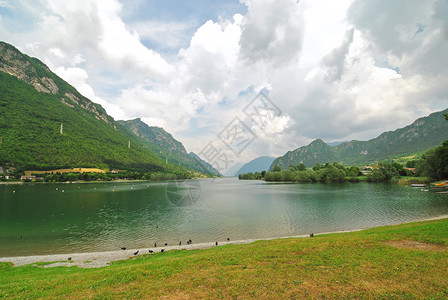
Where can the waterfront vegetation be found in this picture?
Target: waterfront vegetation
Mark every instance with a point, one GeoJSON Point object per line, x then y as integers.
{"type": "Point", "coordinates": [127, 175]}
{"type": "Point", "coordinates": [336, 172]}
{"type": "Point", "coordinates": [402, 261]}
{"type": "Point", "coordinates": [433, 165]}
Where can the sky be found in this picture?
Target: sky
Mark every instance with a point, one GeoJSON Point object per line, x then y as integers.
{"type": "Point", "coordinates": [334, 70]}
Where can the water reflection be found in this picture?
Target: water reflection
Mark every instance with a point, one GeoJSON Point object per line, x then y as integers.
{"type": "Point", "coordinates": [107, 216]}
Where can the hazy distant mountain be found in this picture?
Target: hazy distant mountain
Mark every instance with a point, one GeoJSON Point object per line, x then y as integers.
{"type": "Point", "coordinates": [256, 165]}
{"type": "Point", "coordinates": [333, 144]}
{"type": "Point", "coordinates": [425, 133]}
{"type": "Point", "coordinates": [232, 170]}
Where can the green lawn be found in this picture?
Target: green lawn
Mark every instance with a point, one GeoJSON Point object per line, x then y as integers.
{"type": "Point", "coordinates": [384, 262]}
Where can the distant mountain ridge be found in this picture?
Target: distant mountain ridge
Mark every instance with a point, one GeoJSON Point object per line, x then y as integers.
{"type": "Point", "coordinates": [259, 164]}
{"type": "Point", "coordinates": [166, 146]}
{"type": "Point", "coordinates": [423, 134]}
{"type": "Point", "coordinates": [45, 123]}
{"type": "Point", "coordinates": [204, 165]}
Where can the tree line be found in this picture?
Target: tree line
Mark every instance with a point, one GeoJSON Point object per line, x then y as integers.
{"type": "Point", "coordinates": [433, 165]}
{"type": "Point", "coordinates": [330, 173]}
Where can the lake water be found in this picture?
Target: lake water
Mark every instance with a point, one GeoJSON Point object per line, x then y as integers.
{"type": "Point", "coordinates": [66, 218]}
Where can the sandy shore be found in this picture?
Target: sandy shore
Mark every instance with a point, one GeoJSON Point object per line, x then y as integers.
{"type": "Point", "coordinates": [102, 259]}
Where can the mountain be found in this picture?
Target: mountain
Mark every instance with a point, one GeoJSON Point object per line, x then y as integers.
{"type": "Point", "coordinates": [233, 169]}
{"type": "Point", "coordinates": [332, 144]}
{"type": "Point", "coordinates": [425, 133]}
{"type": "Point", "coordinates": [256, 165]}
{"type": "Point", "coordinates": [46, 124]}
{"type": "Point", "coordinates": [166, 146]}
{"type": "Point", "coordinates": [205, 167]}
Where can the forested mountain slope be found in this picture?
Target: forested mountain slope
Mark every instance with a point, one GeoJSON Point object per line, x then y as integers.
{"type": "Point", "coordinates": [35, 103]}
{"type": "Point", "coordinates": [423, 134]}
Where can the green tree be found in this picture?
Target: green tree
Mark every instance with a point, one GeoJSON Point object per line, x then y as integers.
{"type": "Point", "coordinates": [434, 163]}
{"type": "Point", "coordinates": [287, 175]}
{"type": "Point", "coordinates": [352, 171]}
{"type": "Point", "coordinates": [317, 167]}
{"type": "Point", "coordinates": [384, 173]}
{"type": "Point", "coordinates": [411, 163]}
{"type": "Point", "coordinates": [301, 167]}
{"type": "Point", "coordinates": [277, 169]}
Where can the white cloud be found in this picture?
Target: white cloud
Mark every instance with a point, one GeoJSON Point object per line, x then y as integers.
{"type": "Point", "coordinates": [5, 4]}
{"type": "Point", "coordinates": [78, 78]}
{"type": "Point", "coordinates": [56, 52]}
{"type": "Point", "coordinates": [165, 34]}
{"type": "Point", "coordinates": [272, 32]}
{"type": "Point", "coordinates": [333, 69]}
{"type": "Point", "coordinates": [124, 48]}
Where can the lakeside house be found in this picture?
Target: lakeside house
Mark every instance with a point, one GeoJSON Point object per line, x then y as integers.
{"type": "Point", "coordinates": [412, 170]}
{"type": "Point", "coordinates": [32, 177]}
{"type": "Point", "coordinates": [366, 170]}
{"type": "Point", "coordinates": [61, 171]}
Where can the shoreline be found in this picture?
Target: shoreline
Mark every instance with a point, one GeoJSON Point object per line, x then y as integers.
{"type": "Point", "coordinates": [103, 259]}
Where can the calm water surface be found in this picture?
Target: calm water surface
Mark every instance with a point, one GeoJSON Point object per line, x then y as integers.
{"type": "Point", "coordinates": [64, 218]}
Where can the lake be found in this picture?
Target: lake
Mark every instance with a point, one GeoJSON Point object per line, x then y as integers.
{"type": "Point", "coordinates": [66, 218]}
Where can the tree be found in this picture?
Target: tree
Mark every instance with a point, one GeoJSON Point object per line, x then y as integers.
{"type": "Point", "coordinates": [287, 175]}
{"type": "Point", "coordinates": [411, 163]}
{"type": "Point", "coordinates": [399, 168]}
{"type": "Point", "coordinates": [352, 171]}
{"type": "Point", "coordinates": [330, 173]}
{"type": "Point", "coordinates": [384, 173]}
{"type": "Point", "coordinates": [277, 169]}
{"type": "Point", "coordinates": [434, 163]}
{"type": "Point", "coordinates": [301, 167]}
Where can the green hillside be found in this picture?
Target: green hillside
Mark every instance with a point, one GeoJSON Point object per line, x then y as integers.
{"type": "Point", "coordinates": [166, 146]}
{"type": "Point", "coordinates": [34, 102]}
{"type": "Point", "coordinates": [425, 133]}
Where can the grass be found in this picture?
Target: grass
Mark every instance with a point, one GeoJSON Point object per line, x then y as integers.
{"type": "Point", "coordinates": [361, 264]}
{"type": "Point", "coordinates": [407, 180]}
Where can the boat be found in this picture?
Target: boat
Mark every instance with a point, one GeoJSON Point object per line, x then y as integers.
{"type": "Point", "coordinates": [418, 185]}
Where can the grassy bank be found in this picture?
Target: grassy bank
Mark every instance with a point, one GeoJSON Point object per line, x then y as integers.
{"type": "Point", "coordinates": [409, 260]}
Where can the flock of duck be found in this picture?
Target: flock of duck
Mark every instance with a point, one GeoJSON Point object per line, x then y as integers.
{"type": "Point", "coordinates": [189, 242]}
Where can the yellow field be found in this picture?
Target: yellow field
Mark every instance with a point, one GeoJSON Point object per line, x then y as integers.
{"type": "Point", "coordinates": [74, 170]}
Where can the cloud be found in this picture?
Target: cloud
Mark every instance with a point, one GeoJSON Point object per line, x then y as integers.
{"type": "Point", "coordinates": [334, 61]}
{"type": "Point", "coordinates": [272, 32]}
{"type": "Point", "coordinates": [5, 4]}
{"type": "Point", "coordinates": [170, 34]}
{"type": "Point", "coordinates": [336, 69]}
{"type": "Point", "coordinates": [78, 78]}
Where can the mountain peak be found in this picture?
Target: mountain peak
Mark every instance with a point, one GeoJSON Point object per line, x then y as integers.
{"type": "Point", "coordinates": [423, 134]}
{"type": "Point", "coordinates": [36, 73]}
